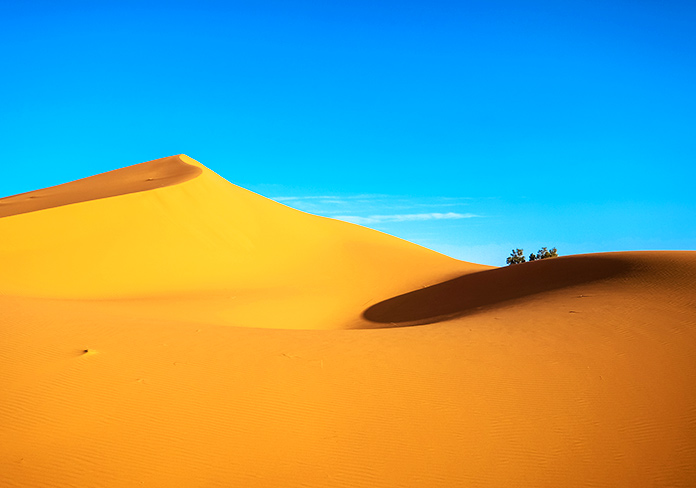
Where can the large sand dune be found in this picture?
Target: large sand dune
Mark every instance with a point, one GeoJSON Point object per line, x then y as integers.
{"type": "Point", "coordinates": [162, 327]}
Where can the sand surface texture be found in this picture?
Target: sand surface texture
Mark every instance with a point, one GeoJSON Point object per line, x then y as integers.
{"type": "Point", "coordinates": [162, 327]}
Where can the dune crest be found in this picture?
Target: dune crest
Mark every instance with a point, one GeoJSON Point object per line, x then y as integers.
{"type": "Point", "coordinates": [140, 177]}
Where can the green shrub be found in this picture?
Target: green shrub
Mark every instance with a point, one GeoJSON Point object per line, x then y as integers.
{"type": "Point", "coordinates": [517, 255]}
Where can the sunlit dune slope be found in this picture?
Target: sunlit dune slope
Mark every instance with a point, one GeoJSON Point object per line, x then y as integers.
{"type": "Point", "coordinates": [172, 228]}
{"type": "Point", "coordinates": [161, 327]}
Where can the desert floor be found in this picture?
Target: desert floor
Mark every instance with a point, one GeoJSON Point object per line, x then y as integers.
{"type": "Point", "coordinates": [162, 327]}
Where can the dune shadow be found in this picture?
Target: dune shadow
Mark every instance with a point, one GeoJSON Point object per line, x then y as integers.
{"type": "Point", "coordinates": [470, 293]}
{"type": "Point", "coordinates": [132, 179]}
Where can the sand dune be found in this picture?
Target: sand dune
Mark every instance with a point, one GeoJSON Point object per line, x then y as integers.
{"type": "Point", "coordinates": [196, 247]}
{"type": "Point", "coordinates": [163, 327]}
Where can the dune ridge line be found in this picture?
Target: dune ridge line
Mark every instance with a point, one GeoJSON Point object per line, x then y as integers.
{"type": "Point", "coordinates": [153, 174]}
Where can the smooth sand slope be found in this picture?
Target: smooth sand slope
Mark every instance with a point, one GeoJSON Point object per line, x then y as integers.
{"type": "Point", "coordinates": [162, 327]}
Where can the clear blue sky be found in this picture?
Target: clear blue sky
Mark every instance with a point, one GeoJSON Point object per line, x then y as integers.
{"type": "Point", "coordinates": [467, 127]}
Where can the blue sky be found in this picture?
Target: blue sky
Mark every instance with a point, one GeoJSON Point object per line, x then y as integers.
{"type": "Point", "coordinates": [467, 127]}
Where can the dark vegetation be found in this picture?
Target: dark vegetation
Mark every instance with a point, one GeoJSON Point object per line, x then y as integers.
{"type": "Point", "coordinates": [517, 255]}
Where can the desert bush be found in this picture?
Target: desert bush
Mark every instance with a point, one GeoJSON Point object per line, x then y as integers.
{"type": "Point", "coordinates": [517, 255]}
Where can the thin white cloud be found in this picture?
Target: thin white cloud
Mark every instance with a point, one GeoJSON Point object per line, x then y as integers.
{"type": "Point", "coordinates": [369, 204]}
{"type": "Point", "coordinates": [333, 198]}
{"type": "Point", "coordinates": [299, 199]}
{"type": "Point", "coordinates": [376, 209]}
{"type": "Point", "coordinates": [378, 219]}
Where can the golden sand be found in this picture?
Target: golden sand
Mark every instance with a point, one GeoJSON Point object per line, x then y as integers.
{"type": "Point", "coordinates": [162, 327]}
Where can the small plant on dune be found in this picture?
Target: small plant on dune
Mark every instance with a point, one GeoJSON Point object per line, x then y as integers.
{"type": "Point", "coordinates": [517, 255]}
{"type": "Point", "coordinates": [544, 253]}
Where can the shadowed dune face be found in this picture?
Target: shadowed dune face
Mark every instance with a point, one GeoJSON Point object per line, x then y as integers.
{"type": "Point", "coordinates": [153, 174]}
{"type": "Point", "coordinates": [469, 293]}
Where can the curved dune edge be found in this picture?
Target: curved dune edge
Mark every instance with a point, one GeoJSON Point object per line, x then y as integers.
{"type": "Point", "coordinates": [473, 292]}
{"type": "Point", "coordinates": [153, 174]}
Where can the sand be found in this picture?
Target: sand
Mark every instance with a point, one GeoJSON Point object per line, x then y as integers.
{"type": "Point", "coordinates": [162, 327]}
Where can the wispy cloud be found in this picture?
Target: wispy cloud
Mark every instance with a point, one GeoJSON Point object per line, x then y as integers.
{"type": "Point", "coordinates": [330, 198]}
{"type": "Point", "coordinates": [371, 204]}
{"type": "Point", "coordinates": [379, 210]}
{"type": "Point", "coordinates": [378, 219]}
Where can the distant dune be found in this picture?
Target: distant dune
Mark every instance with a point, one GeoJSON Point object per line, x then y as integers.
{"type": "Point", "coordinates": [162, 327]}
